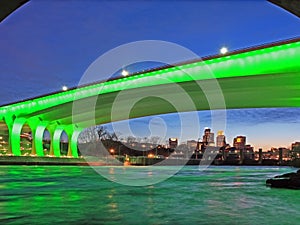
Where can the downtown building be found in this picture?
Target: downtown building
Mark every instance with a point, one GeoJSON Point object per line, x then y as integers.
{"type": "Point", "coordinates": [221, 139]}
{"type": "Point", "coordinates": [246, 151]}
{"type": "Point", "coordinates": [208, 138]}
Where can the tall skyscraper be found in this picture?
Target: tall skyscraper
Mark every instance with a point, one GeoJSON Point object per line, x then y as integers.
{"type": "Point", "coordinates": [221, 140]}
{"type": "Point", "coordinates": [208, 138]}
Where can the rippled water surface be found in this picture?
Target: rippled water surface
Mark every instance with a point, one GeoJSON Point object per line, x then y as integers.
{"type": "Point", "coordinates": [79, 195]}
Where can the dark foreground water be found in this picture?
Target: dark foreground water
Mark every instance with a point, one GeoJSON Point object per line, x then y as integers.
{"type": "Point", "coordinates": [78, 195]}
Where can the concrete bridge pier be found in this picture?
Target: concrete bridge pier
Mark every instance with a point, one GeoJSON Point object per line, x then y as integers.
{"type": "Point", "coordinates": [38, 128]}
{"type": "Point", "coordinates": [15, 127]}
{"type": "Point", "coordinates": [9, 123]}
{"type": "Point", "coordinates": [55, 134]}
{"type": "Point", "coordinates": [73, 133]}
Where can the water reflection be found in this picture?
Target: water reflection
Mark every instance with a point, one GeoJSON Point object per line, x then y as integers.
{"type": "Point", "coordinates": [78, 195]}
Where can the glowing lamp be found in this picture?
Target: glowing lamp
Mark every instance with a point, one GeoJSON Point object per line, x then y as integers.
{"type": "Point", "coordinates": [223, 50]}
{"type": "Point", "coordinates": [124, 73]}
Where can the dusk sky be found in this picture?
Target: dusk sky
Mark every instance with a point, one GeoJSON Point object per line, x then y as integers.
{"type": "Point", "coordinates": [47, 44]}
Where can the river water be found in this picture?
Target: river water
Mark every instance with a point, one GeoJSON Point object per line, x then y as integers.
{"type": "Point", "coordinates": [79, 195]}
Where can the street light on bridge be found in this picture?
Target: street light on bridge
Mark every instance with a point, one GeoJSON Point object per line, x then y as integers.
{"type": "Point", "coordinates": [64, 88]}
{"type": "Point", "coordinates": [125, 73]}
{"type": "Point", "coordinates": [223, 50]}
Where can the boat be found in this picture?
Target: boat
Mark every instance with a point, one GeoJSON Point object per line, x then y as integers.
{"type": "Point", "coordinates": [288, 180]}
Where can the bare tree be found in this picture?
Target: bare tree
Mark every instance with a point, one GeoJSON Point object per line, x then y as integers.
{"type": "Point", "coordinates": [102, 132]}
{"type": "Point", "coordinates": [138, 139]}
{"type": "Point", "coordinates": [154, 140]}
{"type": "Point", "coordinates": [131, 139]}
{"type": "Point", "coordinates": [88, 135]}
{"type": "Point", "coordinates": [114, 136]}
{"type": "Point", "coordinates": [146, 140]}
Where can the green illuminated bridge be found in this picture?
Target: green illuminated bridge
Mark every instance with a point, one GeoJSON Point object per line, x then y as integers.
{"type": "Point", "coordinates": [266, 76]}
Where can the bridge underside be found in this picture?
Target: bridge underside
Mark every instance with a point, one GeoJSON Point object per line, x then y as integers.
{"type": "Point", "coordinates": [263, 91]}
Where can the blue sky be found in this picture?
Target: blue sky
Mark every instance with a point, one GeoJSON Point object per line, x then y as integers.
{"type": "Point", "coordinates": [47, 44]}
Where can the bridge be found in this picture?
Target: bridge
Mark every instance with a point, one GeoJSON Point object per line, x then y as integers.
{"type": "Point", "coordinates": [264, 76]}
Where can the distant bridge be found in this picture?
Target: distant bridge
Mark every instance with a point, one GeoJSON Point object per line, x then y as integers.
{"type": "Point", "coordinates": [264, 76]}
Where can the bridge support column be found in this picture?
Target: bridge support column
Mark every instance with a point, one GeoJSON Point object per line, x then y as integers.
{"type": "Point", "coordinates": [38, 128]}
{"type": "Point", "coordinates": [38, 139]}
{"type": "Point", "coordinates": [51, 132]}
{"type": "Point", "coordinates": [55, 134]}
{"type": "Point", "coordinates": [9, 123]}
{"type": "Point", "coordinates": [73, 133]}
{"type": "Point", "coordinates": [14, 135]}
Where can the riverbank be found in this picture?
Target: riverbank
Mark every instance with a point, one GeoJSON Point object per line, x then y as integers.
{"type": "Point", "coordinates": [58, 161]}
{"type": "Point", "coordinates": [146, 161]}
{"type": "Point", "coordinates": [36, 160]}
{"type": "Point", "coordinates": [133, 161]}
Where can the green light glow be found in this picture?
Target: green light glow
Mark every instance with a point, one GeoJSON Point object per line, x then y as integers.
{"type": "Point", "coordinates": [56, 140]}
{"type": "Point", "coordinates": [38, 138]}
{"type": "Point", "coordinates": [74, 143]}
{"type": "Point", "coordinates": [249, 79]}
{"type": "Point", "coordinates": [15, 135]}
{"type": "Point", "coordinates": [277, 59]}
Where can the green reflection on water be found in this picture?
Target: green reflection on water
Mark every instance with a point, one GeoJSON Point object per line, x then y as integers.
{"type": "Point", "coordinates": [78, 195]}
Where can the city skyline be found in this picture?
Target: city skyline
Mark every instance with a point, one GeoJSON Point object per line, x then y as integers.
{"type": "Point", "coordinates": [57, 51]}
{"type": "Point", "coordinates": [253, 123]}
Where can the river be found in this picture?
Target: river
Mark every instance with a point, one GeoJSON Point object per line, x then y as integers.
{"type": "Point", "coordinates": [79, 195]}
